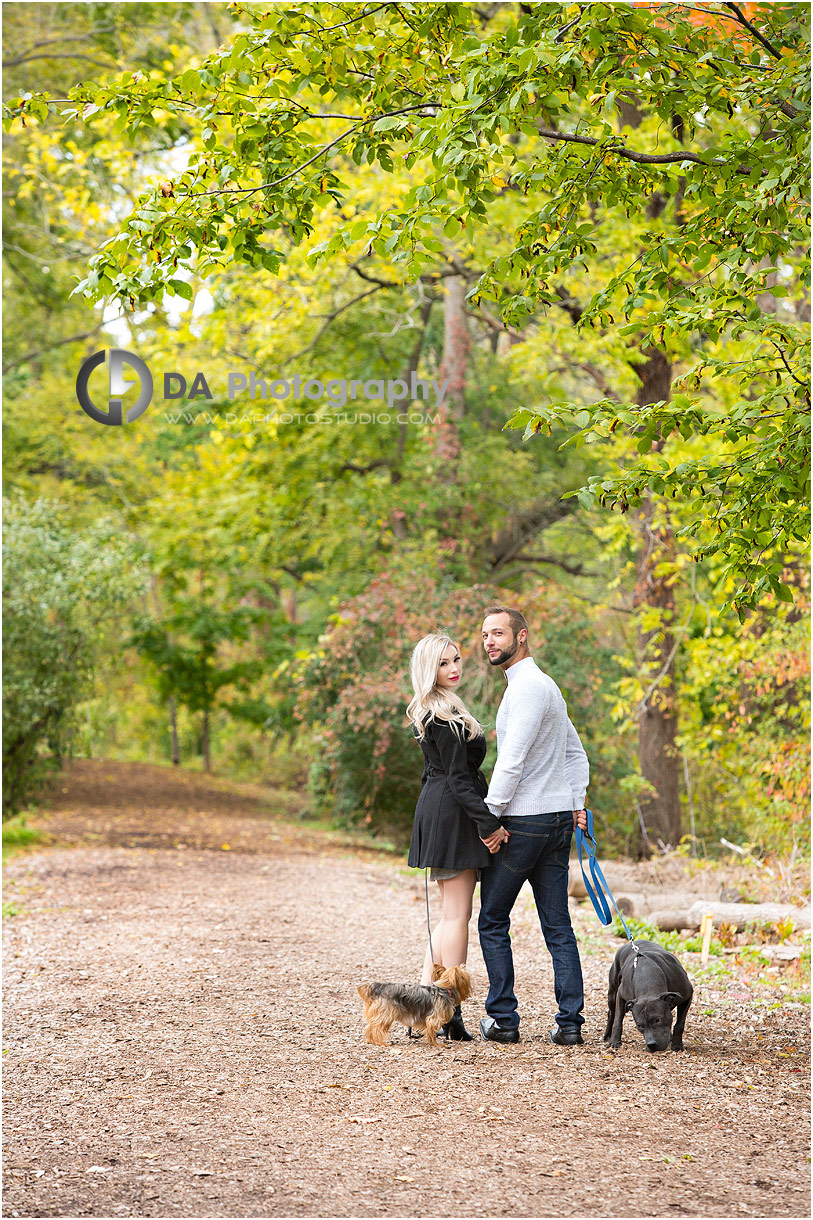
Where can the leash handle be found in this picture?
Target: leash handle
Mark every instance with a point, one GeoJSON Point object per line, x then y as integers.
{"type": "Point", "coordinates": [600, 904]}
{"type": "Point", "coordinates": [601, 896]}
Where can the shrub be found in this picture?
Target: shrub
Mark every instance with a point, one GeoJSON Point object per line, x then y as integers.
{"type": "Point", "coordinates": [62, 587]}
{"type": "Point", "coordinates": [355, 686]}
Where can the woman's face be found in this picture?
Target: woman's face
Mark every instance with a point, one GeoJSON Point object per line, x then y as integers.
{"type": "Point", "coordinates": [450, 669]}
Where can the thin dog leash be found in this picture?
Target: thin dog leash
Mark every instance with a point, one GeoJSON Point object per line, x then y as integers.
{"type": "Point", "coordinates": [429, 930]}
{"type": "Point", "coordinates": [428, 924]}
{"type": "Point", "coordinates": [600, 895]}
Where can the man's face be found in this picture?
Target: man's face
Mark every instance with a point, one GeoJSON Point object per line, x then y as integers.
{"type": "Point", "coordinates": [499, 640]}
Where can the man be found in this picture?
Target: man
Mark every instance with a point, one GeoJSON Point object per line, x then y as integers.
{"type": "Point", "coordinates": [538, 790]}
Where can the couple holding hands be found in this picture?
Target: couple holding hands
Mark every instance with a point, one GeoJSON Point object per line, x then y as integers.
{"type": "Point", "coordinates": [517, 828]}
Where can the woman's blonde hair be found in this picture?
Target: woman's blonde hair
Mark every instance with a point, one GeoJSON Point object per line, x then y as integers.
{"type": "Point", "coordinates": [428, 699]}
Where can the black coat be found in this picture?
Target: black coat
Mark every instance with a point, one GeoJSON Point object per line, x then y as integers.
{"type": "Point", "coordinates": [451, 814]}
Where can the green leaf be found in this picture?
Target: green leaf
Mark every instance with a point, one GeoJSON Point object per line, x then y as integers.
{"type": "Point", "coordinates": [181, 288]}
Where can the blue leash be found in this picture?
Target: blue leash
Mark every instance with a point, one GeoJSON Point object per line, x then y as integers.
{"type": "Point", "coordinates": [599, 895]}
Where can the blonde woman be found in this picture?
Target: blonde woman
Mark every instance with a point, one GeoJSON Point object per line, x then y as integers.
{"type": "Point", "coordinates": [454, 833]}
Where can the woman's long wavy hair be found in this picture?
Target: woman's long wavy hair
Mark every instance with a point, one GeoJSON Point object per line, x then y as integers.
{"type": "Point", "coordinates": [428, 699]}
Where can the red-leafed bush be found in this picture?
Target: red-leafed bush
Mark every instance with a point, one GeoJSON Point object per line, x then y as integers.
{"type": "Point", "coordinates": [354, 690]}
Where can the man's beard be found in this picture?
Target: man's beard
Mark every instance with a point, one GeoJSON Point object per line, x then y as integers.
{"type": "Point", "coordinates": [505, 655]}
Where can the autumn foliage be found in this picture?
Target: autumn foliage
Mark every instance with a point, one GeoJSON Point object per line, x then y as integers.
{"type": "Point", "coordinates": [354, 690]}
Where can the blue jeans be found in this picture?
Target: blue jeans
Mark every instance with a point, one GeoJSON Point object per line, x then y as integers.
{"type": "Point", "coordinates": [537, 851]}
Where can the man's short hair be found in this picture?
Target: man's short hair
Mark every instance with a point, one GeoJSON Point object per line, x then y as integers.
{"type": "Point", "coordinates": [516, 619]}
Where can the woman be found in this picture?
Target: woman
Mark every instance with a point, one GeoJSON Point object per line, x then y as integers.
{"type": "Point", "coordinates": [454, 832]}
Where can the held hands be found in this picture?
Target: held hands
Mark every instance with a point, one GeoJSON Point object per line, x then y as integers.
{"type": "Point", "coordinates": [580, 819]}
{"type": "Point", "coordinates": [495, 840]}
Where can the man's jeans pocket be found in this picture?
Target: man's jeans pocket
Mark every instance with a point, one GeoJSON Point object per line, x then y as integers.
{"type": "Point", "coordinates": [533, 839]}
{"type": "Point", "coordinates": [523, 849]}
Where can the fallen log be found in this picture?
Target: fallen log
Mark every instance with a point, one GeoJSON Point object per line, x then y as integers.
{"type": "Point", "coordinates": [633, 905]}
{"type": "Point", "coordinates": [575, 883]}
{"type": "Point", "coordinates": [673, 921]}
{"type": "Point", "coordinates": [738, 914]}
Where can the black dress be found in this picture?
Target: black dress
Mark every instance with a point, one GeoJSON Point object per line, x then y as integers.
{"type": "Point", "coordinates": [451, 814]}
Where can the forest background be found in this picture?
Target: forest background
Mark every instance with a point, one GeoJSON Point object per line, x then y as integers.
{"type": "Point", "coordinates": [592, 220]}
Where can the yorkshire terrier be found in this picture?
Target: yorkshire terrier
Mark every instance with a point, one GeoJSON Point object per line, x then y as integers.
{"type": "Point", "coordinates": [425, 1009]}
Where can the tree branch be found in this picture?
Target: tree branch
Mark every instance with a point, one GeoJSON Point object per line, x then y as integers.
{"type": "Point", "coordinates": [351, 466]}
{"type": "Point", "coordinates": [518, 533]}
{"type": "Point", "coordinates": [598, 377]}
{"type": "Point", "coordinates": [567, 28]}
{"type": "Point", "coordinates": [292, 572]}
{"type": "Point", "coordinates": [494, 323]}
{"type": "Point", "coordinates": [571, 307]}
{"type": "Point", "coordinates": [331, 318]}
{"type": "Point", "coordinates": [27, 59]}
{"type": "Point", "coordinates": [266, 186]}
{"type": "Point", "coordinates": [575, 569]}
{"type": "Point", "coordinates": [13, 364]}
{"type": "Point", "coordinates": [630, 155]}
{"type": "Point", "coordinates": [371, 279]}
{"type": "Point", "coordinates": [743, 20]}
{"type": "Point", "coordinates": [329, 29]}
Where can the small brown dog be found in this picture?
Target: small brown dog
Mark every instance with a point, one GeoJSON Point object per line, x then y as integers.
{"type": "Point", "coordinates": [424, 1008]}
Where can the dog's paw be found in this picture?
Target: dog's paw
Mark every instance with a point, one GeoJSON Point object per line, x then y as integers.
{"type": "Point", "coordinates": [677, 1046]}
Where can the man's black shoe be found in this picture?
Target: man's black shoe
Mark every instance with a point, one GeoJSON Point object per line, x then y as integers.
{"type": "Point", "coordinates": [566, 1037]}
{"type": "Point", "coordinates": [492, 1032]}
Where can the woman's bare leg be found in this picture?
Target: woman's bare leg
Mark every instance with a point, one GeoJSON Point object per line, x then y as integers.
{"type": "Point", "coordinates": [450, 938]}
{"type": "Point", "coordinates": [458, 893]}
{"type": "Point", "coordinates": [437, 942]}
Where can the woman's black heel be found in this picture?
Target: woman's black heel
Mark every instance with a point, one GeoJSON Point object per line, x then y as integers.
{"type": "Point", "coordinates": [455, 1030]}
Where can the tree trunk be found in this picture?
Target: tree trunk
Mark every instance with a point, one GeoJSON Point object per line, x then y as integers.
{"type": "Point", "coordinates": [654, 590]}
{"type": "Point", "coordinates": [456, 345]}
{"type": "Point", "coordinates": [204, 736]}
{"type": "Point", "coordinates": [456, 348]}
{"type": "Point", "coordinates": [173, 728]}
{"type": "Point", "coordinates": [399, 523]}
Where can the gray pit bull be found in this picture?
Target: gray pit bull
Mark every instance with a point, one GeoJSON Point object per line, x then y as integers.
{"type": "Point", "coordinates": [649, 985]}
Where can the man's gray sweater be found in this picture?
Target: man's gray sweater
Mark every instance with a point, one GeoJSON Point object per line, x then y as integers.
{"type": "Point", "coordinates": [541, 764]}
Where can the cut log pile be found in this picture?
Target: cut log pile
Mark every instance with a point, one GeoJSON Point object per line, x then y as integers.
{"type": "Point", "coordinates": [737, 915]}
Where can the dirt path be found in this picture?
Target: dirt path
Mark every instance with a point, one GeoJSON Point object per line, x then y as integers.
{"type": "Point", "coordinates": [183, 1038]}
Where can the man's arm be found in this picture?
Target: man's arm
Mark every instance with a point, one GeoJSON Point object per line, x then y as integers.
{"type": "Point", "coordinates": [525, 715]}
{"type": "Point", "coordinates": [577, 767]}
{"type": "Point", "coordinates": [577, 773]}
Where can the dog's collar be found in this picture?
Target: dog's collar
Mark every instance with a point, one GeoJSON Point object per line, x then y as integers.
{"type": "Point", "coordinates": [449, 991]}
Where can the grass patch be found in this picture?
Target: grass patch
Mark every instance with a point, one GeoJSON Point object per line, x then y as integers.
{"type": "Point", "coordinates": [18, 837]}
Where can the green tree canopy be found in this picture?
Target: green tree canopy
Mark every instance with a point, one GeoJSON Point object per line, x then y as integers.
{"type": "Point", "coordinates": [659, 151]}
